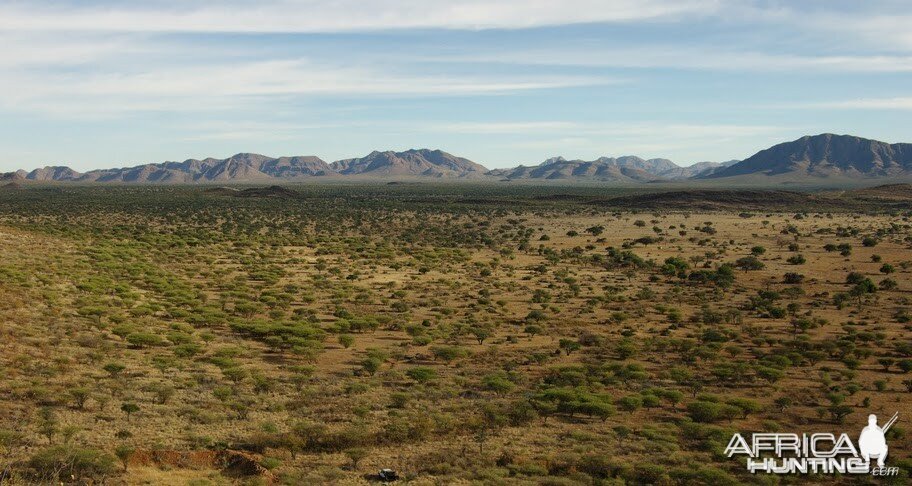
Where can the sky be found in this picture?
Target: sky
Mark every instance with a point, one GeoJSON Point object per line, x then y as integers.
{"type": "Point", "coordinates": [102, 83]}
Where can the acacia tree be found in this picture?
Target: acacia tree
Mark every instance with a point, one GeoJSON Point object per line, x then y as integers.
{"type": "Point", "coordinates": [568, 345]}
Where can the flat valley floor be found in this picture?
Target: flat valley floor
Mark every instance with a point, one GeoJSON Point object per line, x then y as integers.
{"type": "Point", "coordinates": [454, 333]}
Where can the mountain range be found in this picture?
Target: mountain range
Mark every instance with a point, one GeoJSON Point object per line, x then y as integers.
{"type": "Point", "coordinates": [428, 163]}
{"type": "Point", "coordinates": [824, 156]}
{"type": "Point", "coordinates": [811, 157]}
{"type": "Point", "coordinates": [622, 169]}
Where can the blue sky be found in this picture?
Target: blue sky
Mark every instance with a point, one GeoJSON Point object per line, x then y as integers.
{"type": "Point", "coordinates": [95, 84]}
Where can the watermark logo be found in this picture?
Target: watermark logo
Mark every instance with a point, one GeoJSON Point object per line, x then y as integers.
{"type": "Point", "coordinates": [817, 453]}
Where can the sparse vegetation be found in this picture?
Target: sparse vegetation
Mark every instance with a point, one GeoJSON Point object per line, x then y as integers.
{"type": "Point", "coordinates": [492, 337]}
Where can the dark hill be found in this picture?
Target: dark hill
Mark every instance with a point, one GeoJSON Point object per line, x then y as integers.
{"type": "Point", "coordinates": [262, 192]}
{"type": "Point", "coordinates": [712, 200]}
{"type": "Point", "coordinates": [621, 169]}
{"type": "Point", "coordinates": [420, 162]}
{"type": "Point", "coordinates": [887, 191]}
{"type": "Point", "coordinates": [826, 155]}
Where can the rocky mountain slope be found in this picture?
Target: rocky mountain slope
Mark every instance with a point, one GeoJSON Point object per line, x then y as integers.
{"type": "Point", "coordinates": [257, 168]}
{"type": "Point", "coordinates": [819, 157]}
{"type": "Point", "coordinates": [621, 169]}
{"type": "Point", "coordinates": [238, 168]}
{"type": "Point", "coordinates": [423, 162]}
{"type": "Point", "coordinates": [824, 156]}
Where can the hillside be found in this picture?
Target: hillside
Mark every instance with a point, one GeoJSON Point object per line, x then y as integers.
{"type": "Point", "coordinates": [700, 169]}
{"type": "Point", "coordinates": [247, 167]}
{"type": "Point", "coordinates": [623, 169]}
{"type": "Point", "coordinates": [826, 156]}
{"type": "Point", "coordinates": [238, 168]}
{"type": "Point", "coordinates": [423, 162]}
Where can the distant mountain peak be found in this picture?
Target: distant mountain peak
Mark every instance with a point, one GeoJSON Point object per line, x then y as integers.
{"type": "Point", "coordinates": [238, 167]}
{"type": "Point", "coordinates": [811, 157]}
{"type": "Point", "coordinates": [826, 155]}
{"type": "Point", "coordinates": [628, 168]}
{"type": "Point", "coordinates": [412, 162]}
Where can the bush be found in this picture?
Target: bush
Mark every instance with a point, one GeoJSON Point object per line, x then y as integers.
{"type": "Point", "coordinates": [905, 365]}
{"type": "Point", "coordinates": [422, 374]}
{"type": "Point", "coordinates": [497, 382]}
{"type": "Point", "coordinates": [371, 365]}
{"type": "Point", "coordinates": [704, 411]}
{"type": "Point", "coordinates": [123, 452]}
{"type": "Point", "coordinates": [630, 403]}
{"type": "Point", "coordinates": [65, 461]}
{"type": "Point", "coordinates": [399, 400]}
{"type": "Point", "coordinates": [703, 475]}
{"type": "Point", "coordinates": [144, 339]}
{"type": "Point", "coordinates": [598, 466]}
{"type": "Point", "coordinates": [448, 353]}
{"type": "Point", "coordinates": [129, 408]}
{"type": "Point", "coordinates": [346, 340]}
{"type": "Point", "coordinates": [187, 350]}
{"type": "Point", "coordinates": [648, 474]}
{"type": "Point", "coordinates": [521, 413]}
{"type": "Point", "coordinates": [572, 401]}
{"type": "Point", "coordinates": [749, 263]}
{"type": "Point", "coordinates": [745, 405]}
{"type": "Point", "coordinates": [651, 401]}
{"type": "Point", "coordinates": [796, 260]}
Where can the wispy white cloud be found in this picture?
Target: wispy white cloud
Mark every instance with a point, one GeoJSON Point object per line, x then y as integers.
{"type": "Point", "coordinates": [139, 74]}
{"type": "Point", "coordinates": [29, 50]}
{"type": "Point", "coordinates": [684, 57]}
{"type": "Point", "coordinates": [335, 15]}
{"type": "Point", "coordinates": [898, 103]}
{"type": "Point", "coordinates": [502, 127]}
{"type": "Point", "coordinates": [572, 139]}
{"type": "Point", "coordinates": [855, 26]}
{"type": "Point", "coordinates": [259, 131]}
{"type": "Point", "coordinates": [626, 129]}
{"type": "Point", "coordinates": [644, 138]}
{"type": "Point", "coordinates": [298, 76]}
{"type": "Point", "coordinates": [227, 86]}
{"type": "Point", "coordinates": [873, 26]}
{"type": "Point", "coordinates": [882, 24]}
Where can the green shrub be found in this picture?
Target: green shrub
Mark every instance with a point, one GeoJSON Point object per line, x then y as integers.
{"type": "Point", "coordinates": [144, 339]}
{"type": "Point", "coordinates": [703, 411]}
{"type": "Point", "coordinates": [422, 374]}
{"type": "Point", "coordinates": [65, 461]}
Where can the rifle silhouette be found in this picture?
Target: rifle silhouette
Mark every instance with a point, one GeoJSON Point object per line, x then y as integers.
{"type": "Point", "coordinates": [890, 422]}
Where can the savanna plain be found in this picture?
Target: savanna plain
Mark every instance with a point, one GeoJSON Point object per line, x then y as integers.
{"type": "Point", "coordinates": [455, 333]}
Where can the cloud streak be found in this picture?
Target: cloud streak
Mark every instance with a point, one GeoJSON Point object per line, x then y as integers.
{"type": "Point", "coordinates": [321, 16]}
{"type": "Point", "coordinates": [708, 58]}
{"type": "Point", "coordinates": [588, 141]}
{"type": "Point", "coordinates": [627, 129]}
{"type": "Point", "coordinates": [897, 103]}
{"type": "Point", "coordinates": [238, 85]}
{"type": "Point", "coordinates": [714, 77]}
